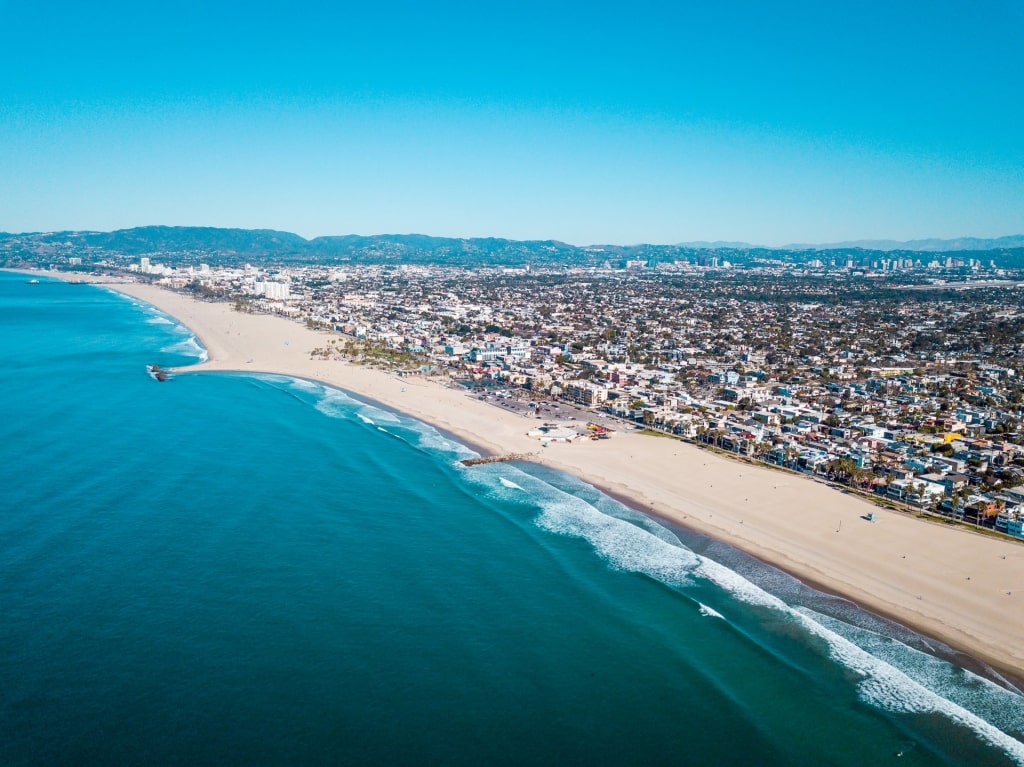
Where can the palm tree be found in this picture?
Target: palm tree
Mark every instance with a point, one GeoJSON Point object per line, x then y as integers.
{"type": "Point", "coordinates": [857, 475]}
{"type": "Point", "coordinates": [761, 449]}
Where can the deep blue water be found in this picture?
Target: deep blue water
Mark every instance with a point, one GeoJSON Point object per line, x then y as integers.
{"type": "Point", "coordinates": [260, 570]}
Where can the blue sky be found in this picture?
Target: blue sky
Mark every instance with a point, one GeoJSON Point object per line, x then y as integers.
{"type": "Point", "coordinates": [586, 122]}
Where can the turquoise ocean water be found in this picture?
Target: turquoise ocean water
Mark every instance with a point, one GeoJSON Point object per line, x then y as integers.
{"type": "Point", "coordinates": [228, 569]}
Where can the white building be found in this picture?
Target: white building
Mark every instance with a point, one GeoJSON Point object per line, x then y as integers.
{"type": "Point", "coordinates": [275, 291]}
{"type": "Point", "coordinates": [586, 393]}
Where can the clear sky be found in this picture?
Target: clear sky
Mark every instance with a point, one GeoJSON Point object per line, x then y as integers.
{"type": "Point", "coordinates": [588, 122]}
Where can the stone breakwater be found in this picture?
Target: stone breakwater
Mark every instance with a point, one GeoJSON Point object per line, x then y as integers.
{"type": "Point", "coordinates": [497, 459]}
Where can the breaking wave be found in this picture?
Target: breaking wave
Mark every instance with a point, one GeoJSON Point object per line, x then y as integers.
{"type": "Point", "coordinates": [891, 675]}
{"type": "Point", "coordinates": [709, 612]}
{"type": "Point", "coordinates": [337, 403]}
{"type": "Point", "coordinates": [189, 347]}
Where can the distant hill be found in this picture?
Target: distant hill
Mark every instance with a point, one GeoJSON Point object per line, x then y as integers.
{"type": "Point", "coordinates": [421, 247]}
{"type": "Point", "coordinates": [960, 243]}
{"type": "Point", "coordinates": [216, 245]}
{"type": "Point", "coordinates": [155, 239]}
{"type": "Point", "coordinates": [717, 245]}
{"type": "Point", "coordinates": [191, 244]}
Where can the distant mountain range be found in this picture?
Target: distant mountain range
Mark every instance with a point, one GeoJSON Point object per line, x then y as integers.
{"type": "Point", "coordinates": [219, 245]}
{"type": "Point", "coordinates": [228, 245]}
{"type": "Point", "coordinates": [927, 246]}
{"type": "Point", "coordinates": [717, 245]}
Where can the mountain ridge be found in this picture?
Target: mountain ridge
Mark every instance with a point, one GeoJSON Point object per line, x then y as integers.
{"type": "Point", "coordinates": [928, 245]}
{"type": "Point", "coordinates": [235, 245]}
{"type": "Point", "coordinates": [154, 235]}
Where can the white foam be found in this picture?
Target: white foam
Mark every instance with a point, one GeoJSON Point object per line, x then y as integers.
{"type": "Point", "coordinates": [430, 439]}
{"type": "Point", "coordinates": [123, 296]}
{"type": "Point", "coordinates": [303, 384]}
{"type": "Point", "coordinates": [623, 545]}
{"type": "Point", "coordinates": [199, 348]}
{"type": "Point", "coordinates": [336, 403]}
{"type": "Point", "coordinates": [883, 684]}
{"type": "Point", "coordinates": [331, 402]}
{"type": "Point", "coordinates": [158, 320]}
{"type": "Point", "coordinates": [380, 416]}
{"type": "Point", "coordinates": [893, 676]}
{"type": "Point", "coordinates": [607, 505]}
{"type": "Point", "coordinates": [890, 689]}
{"type": "Point", "coordinates": [709, 612]}
{"type": "Point", "coordinates": [998, 705]}
{"type": "Point", "coordinates": [189, 346]}
{"type": "Point", "coordinates": [737, 585]}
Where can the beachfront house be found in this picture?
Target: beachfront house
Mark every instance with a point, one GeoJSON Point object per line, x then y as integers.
{"type": "Point", "coordinates": [916, 491]}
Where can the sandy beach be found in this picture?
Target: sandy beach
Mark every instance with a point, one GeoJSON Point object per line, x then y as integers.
{"type": "Point", "coordinates": [963, 588]}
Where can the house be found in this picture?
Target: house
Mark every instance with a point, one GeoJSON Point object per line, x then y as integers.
{"type": "Point", "coordinates": [954, 482]}
{"type": "Point", "coordinates": [918, 492]}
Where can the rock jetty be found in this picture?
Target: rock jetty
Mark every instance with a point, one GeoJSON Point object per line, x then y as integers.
{"type": "Point", "coordinates": [497, 459]}
{"type": "Point", "coordinates": [158, 373]}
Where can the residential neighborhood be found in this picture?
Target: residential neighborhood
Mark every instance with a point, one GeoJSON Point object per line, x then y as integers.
{"type": "Point", "coordinates": [908, 392]}
{"type": "Point", "coordinates": [898, 378]}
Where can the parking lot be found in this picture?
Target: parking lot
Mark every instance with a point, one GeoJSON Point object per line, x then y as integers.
{"type": "Point", "coordinates": [543, 410]}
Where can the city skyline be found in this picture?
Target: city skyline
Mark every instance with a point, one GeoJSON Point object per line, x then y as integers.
{"type": "Point", "coordinates": [578, 123]}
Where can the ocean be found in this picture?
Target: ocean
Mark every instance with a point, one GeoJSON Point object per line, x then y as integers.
{"type": "Point", "coordinates": [238, 569]}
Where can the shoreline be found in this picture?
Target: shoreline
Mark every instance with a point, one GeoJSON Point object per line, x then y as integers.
{"type": "Point", "coordinates": [987, 668]}
{"type": "Point", "coordinates": [791, 526]}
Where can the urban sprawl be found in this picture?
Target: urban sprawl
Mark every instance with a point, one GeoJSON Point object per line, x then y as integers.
{"type": "Point", "coordinates": [900, 379]}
